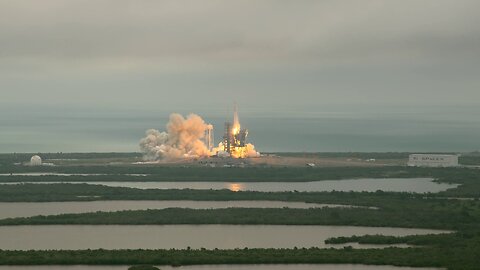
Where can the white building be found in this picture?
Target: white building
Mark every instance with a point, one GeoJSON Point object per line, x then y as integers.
{"type": "Point", "coordinates": [432, 160]}
{"type": "Point", "coordinates": [36, 161]}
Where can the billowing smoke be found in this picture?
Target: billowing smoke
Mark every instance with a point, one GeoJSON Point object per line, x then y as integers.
{"type": "Point", "coordinates": [183, 139]}
{"type": "Point", "coordinates": [251, 152]}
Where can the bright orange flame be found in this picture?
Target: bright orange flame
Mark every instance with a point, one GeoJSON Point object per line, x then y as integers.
{"type": "Point", "coordinates": [236, 129]}
{"type": "Point", "coordinates": [235, 187]}
{"type": "Point", "coordinates": [237, 152]}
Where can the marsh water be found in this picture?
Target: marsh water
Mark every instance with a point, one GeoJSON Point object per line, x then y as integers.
{"type": "Point", "coordinates": [417, 185]}
{"type": "Point", "coordinates": [420, 185]}
{"type": "Point", "coordinates": [64, 174]}
{"type": "Point", "coordinates": [182, 236]}
{"type": "Point", "coordinates": [28, 209]}
{"type": "Point", "coordinates": [226, 267]}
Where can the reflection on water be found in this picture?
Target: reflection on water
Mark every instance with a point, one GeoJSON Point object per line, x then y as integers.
{"type": "Point", "coordinates": [28, 209]}
{"type": "Point", "coordinates": [226, 267]}
{"type": "Point", "coordinates": [417, 185]}
{"type": "Point", "coordinates": [236, 187]}
{"type": "Point", "coordinates": [183, 236]}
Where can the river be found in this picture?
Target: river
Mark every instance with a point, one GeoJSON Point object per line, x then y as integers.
{"type": "Point", "coordinates": [417, 185]}
{"type": "Point", "coordinates": [28, 209]}
{"type": "Point", "coordinates": [74, 237]}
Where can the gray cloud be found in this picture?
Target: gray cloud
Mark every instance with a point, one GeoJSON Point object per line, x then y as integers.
{"type": "Point", "coordinates": [326, 51]}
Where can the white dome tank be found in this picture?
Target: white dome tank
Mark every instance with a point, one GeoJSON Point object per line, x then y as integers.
{"type": "Point", "coordinates": [36, 161]}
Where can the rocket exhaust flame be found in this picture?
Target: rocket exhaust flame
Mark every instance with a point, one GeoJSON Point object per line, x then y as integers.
{"type": "Point", "coordinates": [236, 120]}
{"type": "Point", "coordinates": [235, 139]}
{"type": "Point", "coordinates": [191, 137]}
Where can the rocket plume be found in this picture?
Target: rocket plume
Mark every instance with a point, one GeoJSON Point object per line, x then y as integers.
{"type": "Point", "coordinates": [236, 120]}
{"type": "Point", "coordinates": [183, 139]}
{"type": "Point", "coordinates": [234, 142]}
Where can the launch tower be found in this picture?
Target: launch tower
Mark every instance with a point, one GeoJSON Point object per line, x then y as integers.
{"type": "Point", "coordinates": [235, 138]}
{"type": "Point", "coordinates": [209, 137]}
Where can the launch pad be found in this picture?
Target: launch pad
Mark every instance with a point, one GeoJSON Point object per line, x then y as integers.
{"type": "Point", "coordinates": [235, 138]}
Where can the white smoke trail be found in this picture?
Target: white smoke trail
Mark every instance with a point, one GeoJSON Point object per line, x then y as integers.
{"type": "Point", "coordinates": [183, 139]}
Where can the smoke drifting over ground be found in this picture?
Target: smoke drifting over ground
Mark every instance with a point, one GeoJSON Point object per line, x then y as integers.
{"type": "Point", "coordinates": [184, 138]}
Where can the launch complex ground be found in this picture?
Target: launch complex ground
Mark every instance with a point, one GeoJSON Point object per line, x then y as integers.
{"type": "Point", "coordinates": [278, 159]}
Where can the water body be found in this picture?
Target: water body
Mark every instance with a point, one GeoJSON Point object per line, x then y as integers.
{"type": "Point", "coordinates": [39, 237]}
{"type": "Point", "coordinates": [417, 185]}
{"type": "Point", "coordinates": [38, 128]}
{"type": "Point", "coordinates": [226, 267]}
{"type": "Point", "coordinates": [28, 209]}
{"type": "Point", "coordinates": [63, 174]}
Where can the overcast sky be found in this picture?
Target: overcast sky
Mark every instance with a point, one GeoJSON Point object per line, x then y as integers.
{"type": "Point", "coordinates": [170, 54]}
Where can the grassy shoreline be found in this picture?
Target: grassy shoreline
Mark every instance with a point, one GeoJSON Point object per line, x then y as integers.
{"type": "Point", "coordinates": [468, 178]}
{"type": "Point", "coordinates": [457, 216]}
{"type": "Point", "coordinates": [247, 174]}
{"type": "Point", "coordinates": [205, 174]}
{"type": "Point", "coordinates": [415, 257]}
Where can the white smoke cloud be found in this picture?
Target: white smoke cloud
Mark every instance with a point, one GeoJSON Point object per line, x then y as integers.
{"type": "Point", "coordinates": [251, 152]}
{"type": "Point", "coordinates": [183, 139]}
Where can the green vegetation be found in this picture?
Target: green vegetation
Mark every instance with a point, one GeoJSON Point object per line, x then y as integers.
{"type": "Point", "coordinates": [457, 215]}
{"type": "Point", "coordinates": [469, 180]}
{"type": "Point", "coordinates": [143, 267]}
{"type": "Point", "coordinates": [359, 155]}
{"type": "Point", "coordinates": [249, 174]}
{"type": "Point", "coordinates": [87, 192]}
{"type": "Point", "coordinates": [470, 159]}
{"type": "Point", "coordinates": [10, 159]}
{"type": "Point", "coordinates": [459, 250]}
{"type": "Point", "coordinates": [163, 173]}
{"type": "Point", "coordinates": [465, 257]}
{"type": "Point", "coordinates": [437, 239]}
{"type": "Point", "coordinates": [396, 209]}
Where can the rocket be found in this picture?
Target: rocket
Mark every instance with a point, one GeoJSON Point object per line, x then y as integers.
{"type": "Point", "coordinates": [236, 121]}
